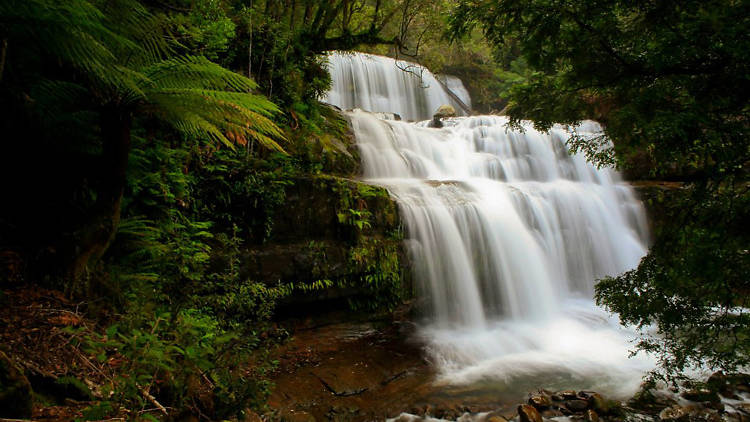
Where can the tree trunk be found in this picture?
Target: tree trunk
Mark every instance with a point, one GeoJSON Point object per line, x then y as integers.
{"type": "Point", "coordinates": [94, 238]}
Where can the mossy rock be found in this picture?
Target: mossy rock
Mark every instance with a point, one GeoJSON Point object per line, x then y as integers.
{"type": "Point", "coordinates": [15, 391]}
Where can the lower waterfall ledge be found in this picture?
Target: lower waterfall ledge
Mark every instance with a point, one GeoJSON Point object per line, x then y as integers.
{"type": "Point", "coordinates": [338, 242]}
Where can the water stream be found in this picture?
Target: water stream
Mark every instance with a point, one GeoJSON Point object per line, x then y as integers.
{"type": "Point", "coordinates": [508, 233]}
{"type": "Point", "coordinates": [381, 84]}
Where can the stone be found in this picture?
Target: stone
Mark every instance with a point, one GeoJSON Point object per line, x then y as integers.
{"type": "Point", "coordinates": [540, 401]}
{"type": "Point", "coordinates": [552, 413]}
{"type": "Point", "coordinates": [577, 405]}
{"type": "Point", "coordinates": [565, 395]}
{"type": "Point", "coordinates": [717, 382]}
{"type": "Point", "coordinates": [675, 413]}
{"type": "Point", "coordinates": [495, 417]}
{"type": "Point", "coordinates": [444, 111]}
{"type": "Point", "coordinates": [598, 403]}
{"type": "Point", "coordinates": [591, 416]}
{"type": "Point", "coordinates": [701, 395]}
{"type": "Point", "coordinates": [585, 394]}
{"type": "Point", "coordinates": [436, 122]}
{"type": "Point", "coordinates": [528, 413]}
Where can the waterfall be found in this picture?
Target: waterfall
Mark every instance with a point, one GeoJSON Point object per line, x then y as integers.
{"type": "Point", "coordinates": [381, 84]}
{"type": "Point", "coordinates": [456, 86]}
{"type": "Point", "coordinates": [508, 233]}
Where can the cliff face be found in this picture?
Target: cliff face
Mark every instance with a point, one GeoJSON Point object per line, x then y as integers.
{"type": "Point", "coordinates": [336, 239]}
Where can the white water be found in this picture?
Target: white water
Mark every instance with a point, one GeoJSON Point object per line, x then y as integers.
{"type": "Point", "coordinates": [381, 84]}
{"type": "Point", "coordinates": [456, 86]}
{"type": "Point", "coordinates": [508, 233]}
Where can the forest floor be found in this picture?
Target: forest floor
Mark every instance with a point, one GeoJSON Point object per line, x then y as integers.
{"type": "Point", "coordinates": [39, 329]}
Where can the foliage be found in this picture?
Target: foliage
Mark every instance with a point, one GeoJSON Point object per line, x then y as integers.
{"type": "Point", "coordinates": [151, 165]}
{"type": "Point", "coordinates": [692, 288]}
{"type": "Point", "coordinates": [109, 68]}
{"type": "Point", "coordinates": [668, 80]}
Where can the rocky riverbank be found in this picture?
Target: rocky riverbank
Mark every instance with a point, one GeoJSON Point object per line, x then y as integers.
{"type": "Point", "coordinates": [374, 370]}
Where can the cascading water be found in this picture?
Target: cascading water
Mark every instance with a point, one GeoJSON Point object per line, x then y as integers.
{"type": "Point", "coordinates": [381, 84]}
{"type": "Point", "coordinates": [508, 233]}
{"type": "Point", "coordinates": [456, 86]}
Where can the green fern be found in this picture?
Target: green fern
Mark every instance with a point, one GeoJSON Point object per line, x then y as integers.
{"type": "Point", "coordinates": [122, 56]}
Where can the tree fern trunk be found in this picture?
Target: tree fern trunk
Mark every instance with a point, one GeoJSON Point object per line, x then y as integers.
{"type": "Point", "coordinates": [95, 237]}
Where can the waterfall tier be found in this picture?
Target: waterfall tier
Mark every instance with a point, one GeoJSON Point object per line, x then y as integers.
{"type": "Point", "coordinates": [508, 233]}
{"type": "Point", "coordinates": [382, 84]}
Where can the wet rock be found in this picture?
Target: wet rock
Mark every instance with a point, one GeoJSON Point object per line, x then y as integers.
{"type": "Point", "coordinates": [564, 395]}
{"type": "Point", "coordinates": [444, 111]}
{"type": "Point", "coordinates": [718, 382]}
{"type": "Point", "coordinates": [675, 414]}
{"type": "Point", "coordinates": [15, 391]}
{"type": "Point", "coordinates": [601, 405]}
{"type": "Point", "coordinates": [577, 405]}
{"type": "Point", "coordinates": [701, 395]}
{"type": "Point", "coordinates": [435, 122]}
{"type": "Point", "coordinates": [591, 416]}
{"type": "Point", "coordinates": [528, 413]}
{"type": "Point", "coordinates": [552, 413]}
{"type": "Point", "coordinates": [650, 400]}
{"type": "Point", "coordinates": [495, 417]}
{"type": "Point", "coordinates": [540, 401]}
{"type": "Point", "coordinates": [586, 394]}
{"type": "Point", "coordinates": [739, 379]}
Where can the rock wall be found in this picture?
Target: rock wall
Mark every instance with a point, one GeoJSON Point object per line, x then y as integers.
{"type": "Point", "coordinates": [335, 239]}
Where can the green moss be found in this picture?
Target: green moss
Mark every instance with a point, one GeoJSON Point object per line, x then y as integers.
{"type": "Point", "coordinates": [367, 223]}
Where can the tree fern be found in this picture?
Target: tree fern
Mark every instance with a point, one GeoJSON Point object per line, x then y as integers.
{"type": "Point", "coordinates": [108, 62]}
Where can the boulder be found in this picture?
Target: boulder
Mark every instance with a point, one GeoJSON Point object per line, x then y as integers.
{"type": "Point", "coordinates": [675, 414]}
{"type": "Point", "coordinates": [577, 405]}
{"type": "Point", "coordinates": [540, 401]}
{"type": "Point", "coordinates": [495, 417]}
{"type": "Point", "coordinates": [552, 413]}
{"type": "Point", "coordinates": [436, 123]}
{"type": "Point", "coordinates": [564, 395]}
{"type": "Point", "coordinates": [15, 391]}
{"type": "Point", "coordinates": [444, 111]}
{"type": "Point", "coordinates": [600, 404]}
{"type": "Point", "coordinates": [591, 416]}
{"type": "Point", "coordinates": [701, 395]}
{"type": "Point", "coordinates": [717, 382]}
{"type": "Point", "coordinates": [528, 413]}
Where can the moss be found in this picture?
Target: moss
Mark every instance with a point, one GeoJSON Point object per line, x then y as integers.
{"type": "Point", "coordinates": [335, 239]}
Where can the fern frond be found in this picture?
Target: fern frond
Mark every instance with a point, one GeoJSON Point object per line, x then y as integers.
{"type": "Point", "coordinates": [196, 72]}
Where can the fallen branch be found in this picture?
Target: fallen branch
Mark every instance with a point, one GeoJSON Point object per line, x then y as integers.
{"type": "Point", "coordinates": [337, 393]}
{"type": "Point", "coordinates": [153, 401]}
{"type": "Point", "coordinates": [393, 378]}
